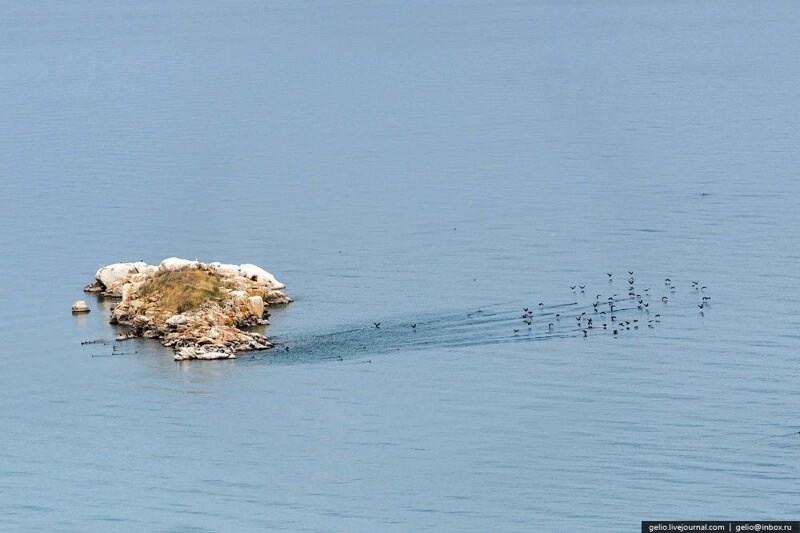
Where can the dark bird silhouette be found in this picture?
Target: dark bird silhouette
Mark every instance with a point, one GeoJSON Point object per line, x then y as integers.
{"type": "Point", "coordinates": [413, 326]}
{"type": "Point", "coordinates": [526, 309]}
{"type": "Point", "coordinates": [377, 324]}
{"type": "Point", "coordinates": [516, 331]}
{"type": "Point", "coordinates": [630, 272]}
{"type": "Point", "coordinates": [286, 348]}
{"type": "Point", "coordinates": [529, 322]}
{"type": "Point", "coordinates": [582, 287]}
{"type": "Point", "coordinates": [609, 274]}
{"type": "Point", "coordinates": [550, 325]}
{"type": "Point", "coordinates": [572, 287]}
{"type": "Point", "coordinates": [584, 333]}
{"type": "Point", "coordinates": [664, 299]}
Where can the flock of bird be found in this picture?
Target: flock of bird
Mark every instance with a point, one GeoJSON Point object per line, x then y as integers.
{"type": "Point", "coordinates": [615, 313]}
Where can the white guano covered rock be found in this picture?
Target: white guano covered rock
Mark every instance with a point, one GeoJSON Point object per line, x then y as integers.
{"type": "Point", "coordinates": [176, 263]}
{"type": "Point", "coordinates": [261, 276]}
{"type": "Point", "coordinates": [80, 307]}
{"type": "Point", "coordinates": [112, 277]}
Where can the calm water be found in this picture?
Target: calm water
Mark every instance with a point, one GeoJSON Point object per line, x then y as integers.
{"type": "Point", "coordinates": [398, 163]}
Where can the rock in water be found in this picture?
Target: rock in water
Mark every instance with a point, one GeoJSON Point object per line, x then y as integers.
{"type": "Point", "coordinates": [80, 307]}
{"type": "Point", "coordinates": [195, 308]}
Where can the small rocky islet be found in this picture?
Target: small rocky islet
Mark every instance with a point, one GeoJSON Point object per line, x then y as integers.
{"type": "Point", "coordinates": [197, 309]}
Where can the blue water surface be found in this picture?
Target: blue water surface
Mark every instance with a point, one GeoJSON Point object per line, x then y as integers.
{"type": "Point", "coordinates": [405, 162]}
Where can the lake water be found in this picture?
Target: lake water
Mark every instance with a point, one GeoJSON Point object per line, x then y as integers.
{"type": "Point", "coordinates": [405, 162]}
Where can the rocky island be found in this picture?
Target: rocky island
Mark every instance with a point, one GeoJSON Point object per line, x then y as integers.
{"type": "Point", "coordinates": [200, 310]}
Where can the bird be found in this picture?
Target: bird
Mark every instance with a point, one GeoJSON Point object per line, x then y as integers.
{"type": "Point", "coordinates": [664, 299]}
{"type": "Point", "coordinates": [584, 333]}
{"type": "Point", "coordinates": [377, 324]}
{"type": "Point", "coordinates": [609, 274]}
{"type": "Point", "coordinates": [701, 306]}
{"type": "Point", "coordinates": [516, 331]}
{"type": "Point", "coordinates": [541, 304]}
{"type": "Point", "coordinates": [286, 348]}
{"type": "Point", "coordinates": [550, 326]}
{"type": "Point", "coordinates": [414, 326]}
{"type": "Point", "coordinates": [615, 332]}
{"type": "Point", "coordinates": [582, 287]}
{"type": "Point", "coordinates": [630, 280]}
{"type": "Point", "coordinates": [526, 309]}
{"type": "Point", "coordinates": [572, 287]}
{"type": "Point", "coordinates": [529, 322]}
{"type": "Point", "coordinates": [630, 272]}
